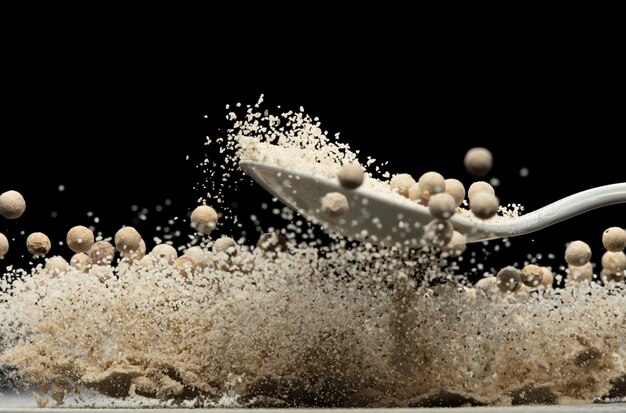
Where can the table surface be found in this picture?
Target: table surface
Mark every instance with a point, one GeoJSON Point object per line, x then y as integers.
{"type": "Point", "coordinates": [595, 408]}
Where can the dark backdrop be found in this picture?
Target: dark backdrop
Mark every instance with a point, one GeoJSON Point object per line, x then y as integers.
{"type": "Point", "coordinates": [113, 119]}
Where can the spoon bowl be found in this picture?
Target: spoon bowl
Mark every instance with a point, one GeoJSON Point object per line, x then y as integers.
{"type": "Point", "coordinates": [391, 220]}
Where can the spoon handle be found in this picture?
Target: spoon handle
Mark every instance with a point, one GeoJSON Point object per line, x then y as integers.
{"type": "Point", "coordinates": [553, 213]}
{"type": "Point", "coordinates": [573, 205]}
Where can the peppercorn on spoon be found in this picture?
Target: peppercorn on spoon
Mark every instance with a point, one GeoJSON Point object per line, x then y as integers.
{"type": "Point", "coordinates": [381, 219]}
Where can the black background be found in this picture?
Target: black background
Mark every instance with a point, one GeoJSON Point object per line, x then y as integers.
{"type": "Point", "coordinates": [112, 113]}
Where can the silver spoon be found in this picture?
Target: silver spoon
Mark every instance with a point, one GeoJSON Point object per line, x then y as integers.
{"type": "Point", "coordinates": [380, 219]}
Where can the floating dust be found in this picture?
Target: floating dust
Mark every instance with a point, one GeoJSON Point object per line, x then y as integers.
{"type": "Point", "coordinates": [344, 324]}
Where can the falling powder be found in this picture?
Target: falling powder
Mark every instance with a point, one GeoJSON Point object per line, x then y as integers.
{"type": "Point", "coordinates": [343, 324]}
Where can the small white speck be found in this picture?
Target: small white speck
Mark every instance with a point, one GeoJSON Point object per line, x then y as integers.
{"type": "Point", "coordinates": [524, 172]}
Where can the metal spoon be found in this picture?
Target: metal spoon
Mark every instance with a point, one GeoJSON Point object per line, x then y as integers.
{"type": "Point", "coordinates": [381, 219]}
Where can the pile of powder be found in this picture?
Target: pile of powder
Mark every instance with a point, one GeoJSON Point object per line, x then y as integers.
{"type": "Point", "coordinates": [309, 327]}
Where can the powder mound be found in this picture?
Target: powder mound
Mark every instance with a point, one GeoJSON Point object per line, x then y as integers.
{"type": "Point", "coordinates": [309, 327]}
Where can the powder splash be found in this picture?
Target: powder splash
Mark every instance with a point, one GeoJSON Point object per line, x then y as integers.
{"type": "Point", "coordinates": [344, 324]}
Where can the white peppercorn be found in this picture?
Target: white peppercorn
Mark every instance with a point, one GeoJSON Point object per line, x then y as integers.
{"type": "Point", "coordinates": [484, 205]}
{"type": "Point", "coordinates": [38, 244]}
{"type": "Point", "coordinates": [4, 245]}
{"type": "Point", "coordinates": [442, 206]}
{"type": "Point", "coordinates": [455, 188]}
{"type": "Point", "coordinates": [532, 275]}
{"type": "Point", "coordinates": [401, 183]}
{"type": "Point", "coordinates": [478, 161]}
{"type": "Point", "coordinates": [577, 253]}
{"type": "Point", "coordinates": [164, 252]}
{"type": "Point", "coordinates": [334, 204]}
{"type": "Point", "coordinates": [431, 183]}
{"type": "Point", "coordinates": [204, 219]}
{"type": "Point", "coordinates": [509, 279]}
{"type": "Point", "coordinates": [614, 239]}
{"type": "Point", "coordinates": [12, 204]}
{"type": "Point", "coordinates": [127, 241]}
{"type": "Point", "coordinates": [102, 253]}
{"type": "Point", "coordinates": [351, 176]}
